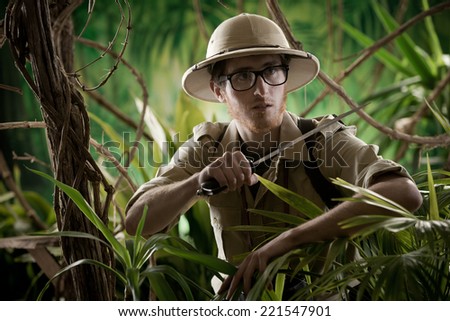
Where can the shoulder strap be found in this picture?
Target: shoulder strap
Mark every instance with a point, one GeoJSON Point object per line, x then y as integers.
{"type": "Point", "coordinates": [323, 187]}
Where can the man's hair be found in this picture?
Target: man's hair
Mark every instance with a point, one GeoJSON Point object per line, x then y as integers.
{"type": "Point", "coordinates": [216, 69]}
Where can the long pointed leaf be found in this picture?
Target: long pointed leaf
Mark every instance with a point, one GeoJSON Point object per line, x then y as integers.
{"type": "Point", "coordinates": [161, 287]}
{"type": "Point", "coordinates": [77, 263]}
{"type": "Point", "coordinates": [210, 261]}
{"type": "Point", "coordinates": [406, 46]}
{"type": "Point", "coordinates": [384, 56]}
{"type": "Point", "coordinates": [174, 274]}
{"type": "Point", "coordinates": [373, 198]}
{"type": "Point", "coordinates": [445, 123]}
{"type": "Point", "coordinates": [298, 202]}
{"type": "Point", "coordinates": [433, 37]}
{"type": "Point", "coordinates": [87, 210]}
{"type": "Point", "coordinates": [280, 217]}
{"type": "Point", "coordinates": [434, 209]}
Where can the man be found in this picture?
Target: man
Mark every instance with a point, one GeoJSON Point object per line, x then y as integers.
{"type": "Point", "coordinates": [250, 67]}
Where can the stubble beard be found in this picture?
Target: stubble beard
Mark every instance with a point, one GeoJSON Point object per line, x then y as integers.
{"type": "Point", "coordinates": [260, 122]}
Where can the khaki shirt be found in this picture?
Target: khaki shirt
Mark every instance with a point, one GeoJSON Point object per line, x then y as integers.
{"type": "Point", "coordinates": [338, 151]}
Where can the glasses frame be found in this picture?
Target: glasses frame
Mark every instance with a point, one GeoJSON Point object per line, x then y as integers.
{"type": "Point", "coordinates": [256, 73]}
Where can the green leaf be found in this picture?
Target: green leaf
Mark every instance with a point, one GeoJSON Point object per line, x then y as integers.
{"type": "Point", "coordinates": [257, 228]}
{"type": "Point", "coordinates": [372, 198]}
{"type": "Point", "coordinates": [280, 217]}
{"type": "Point", "coordinates": [108, 129]}
{"type": "Point", "coordinates": [384, 56]}
{"type": "Point", "coordinates": [138, 239]}
{"type": "Point", "coordinates": [87, 210]}
{"type": "Point", "coordinates": [174, 274]}
{"type": "Point", "coordinates": [445, 123]}
{"type": "Point", "coordinates": [279, 284]}
{"type": "Point", "coordinates": [187, 115]}
{"type": "Point", "coordinates": [210, 261]}
{"type": "Point", "coordinates": [433, 37]}
{"type": "Point", "coordinates": [157, 130]}
{"type": "Point", "coordinates": [161, 287]}
{"type": "Point", "coordinates": [73, 234]}
{"type": "Point", "coordinates": [407, 46]}
{"type": "Point", "coordinates": [258, 289]}
{"type": "Point", "coordinates": [297, 201]}
{"type": "Point", "coordinates": [133, 278]}
{"type": "Point", "coordinates": [434, 208]}
{"type": "Point", "coordinates": [369, 224]}
{"type": "Point", "coordinates": [393, 92]}
{"type": "Point", "coordinates": [77, 263]}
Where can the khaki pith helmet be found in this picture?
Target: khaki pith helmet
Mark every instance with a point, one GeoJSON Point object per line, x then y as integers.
{"type": "Point", "coordinates": [248, 35]}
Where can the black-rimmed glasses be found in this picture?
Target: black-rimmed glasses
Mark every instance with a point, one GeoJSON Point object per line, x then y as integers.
{"type": "Point", "coordinates": [244, 80]}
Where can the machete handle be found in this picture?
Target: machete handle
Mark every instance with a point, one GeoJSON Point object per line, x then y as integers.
{"type": "Point", "coordinates": [212, 187]}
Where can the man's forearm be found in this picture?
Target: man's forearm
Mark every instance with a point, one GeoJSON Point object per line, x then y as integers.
{"type": "Point", "coordinates": [327, 226]}
{"type": "Point", "coordinates": [164, 204]}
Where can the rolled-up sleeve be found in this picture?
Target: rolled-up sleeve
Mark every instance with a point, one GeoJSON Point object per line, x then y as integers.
{"type": "Point", "coordinates": [190, 158]}
{"type": "Point", "coordinates": [345, 156]}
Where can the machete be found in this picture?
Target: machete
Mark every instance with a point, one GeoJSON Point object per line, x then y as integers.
{"type": "Point", "coordinates": [212, 187]}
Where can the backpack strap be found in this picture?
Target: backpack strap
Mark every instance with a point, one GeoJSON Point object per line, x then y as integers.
{"type": "Point", "coordinates": [323, 187]}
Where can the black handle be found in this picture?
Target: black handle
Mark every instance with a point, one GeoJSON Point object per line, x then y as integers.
{"type": "Point", "coordinates": [212, 187]}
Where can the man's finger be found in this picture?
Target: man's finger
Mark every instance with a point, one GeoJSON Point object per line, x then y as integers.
{"type": "Point", "coordinates": [225, 285]}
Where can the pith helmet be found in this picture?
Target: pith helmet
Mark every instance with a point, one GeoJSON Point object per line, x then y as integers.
{"type": "Point", "coordinates": [247, 35]}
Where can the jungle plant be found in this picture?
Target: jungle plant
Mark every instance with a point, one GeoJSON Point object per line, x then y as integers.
{"type": "Point", "coordinates": [412, 100]}
{"type": "Point", "coordinates": [134, 256]}
{"type": "Point", "coordinates": [401, 258]}
{"type": "Point", "coordinates": [418, 74]}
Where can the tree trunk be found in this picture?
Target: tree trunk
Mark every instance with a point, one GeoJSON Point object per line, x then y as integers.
{"type": "Point", "coordinates": [43, 35]}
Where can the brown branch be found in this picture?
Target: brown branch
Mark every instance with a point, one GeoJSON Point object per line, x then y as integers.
{"type": "Point", "coordinates": [108, 49]}
{"type": "Point", "coordinates": [2, 33]}
{"type": "Point", "coordinates": [60, 21]}
{"type": "Point", "coordinates": [103, 151]}
{"type": "Point", "coordinates": [441, 140]}
{"type": "Point", "coordinates": [29, 31]}
{"type": "Point", "coordinates": [423, 108]}
{"type": "Point", "coordinates": [140, 80]}
{"type": "Point", "coordinates": [32, 159]}
{"type": "Point", "coordinates": [116, 112]}
{"type": "Point", "coordinates": [11, 88]}
{"type": "Point", "coordinates": [426, 141]}
{"type": "Point", "coordinates": [368, 52]}
{"type": "Point", "coordinates": [22, 124]}
{"type": "Point", "coordinates": [200, 20]}
{"type": "Point", "coordinates": [94, 177]}
{"type": "Point", "coordinates": [107, 154]}
{"type": "Point", "coordinates": [9, 181]}
{"type": "Point", "coordinates": [282, 22]}
{"type": "Point", "coordinates": [91, 6]}
{"type": "Point", "coordinates": [421, 111]}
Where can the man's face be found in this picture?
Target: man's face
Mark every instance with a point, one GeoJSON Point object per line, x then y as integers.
{"type": "Point", "coordinates": [260, 108]}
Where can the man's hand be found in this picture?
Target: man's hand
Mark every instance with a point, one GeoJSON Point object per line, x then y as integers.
{"type": "Point", "coordinates": [231, 169]}
{"type": "Point", "coordinates": [255, 264]}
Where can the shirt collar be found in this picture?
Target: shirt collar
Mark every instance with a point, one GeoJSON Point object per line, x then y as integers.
{"type": "Point", "coordinates": [289, 132]}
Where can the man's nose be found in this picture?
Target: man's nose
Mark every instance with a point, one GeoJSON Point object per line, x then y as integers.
{"type": "Point", "coordinates": [260, 86]}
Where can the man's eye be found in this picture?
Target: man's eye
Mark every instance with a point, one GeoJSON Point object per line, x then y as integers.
{"type": "Point", "coordinates": [243, 76]}
{"type": "Point", "coordinates": [270, 71]}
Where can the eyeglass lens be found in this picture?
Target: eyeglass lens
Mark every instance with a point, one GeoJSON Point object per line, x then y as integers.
{"type": "Point", "coordinates": [244, 80]}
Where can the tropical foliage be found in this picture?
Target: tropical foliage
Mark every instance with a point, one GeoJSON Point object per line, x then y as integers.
{"type": "Point", "coordinates": [401, 258]}
{"type": "Point", "coordinates": [383, 53]}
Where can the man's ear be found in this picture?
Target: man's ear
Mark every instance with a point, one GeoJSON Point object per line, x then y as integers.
{"type": "Point", "coordinates": [217, 90]}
